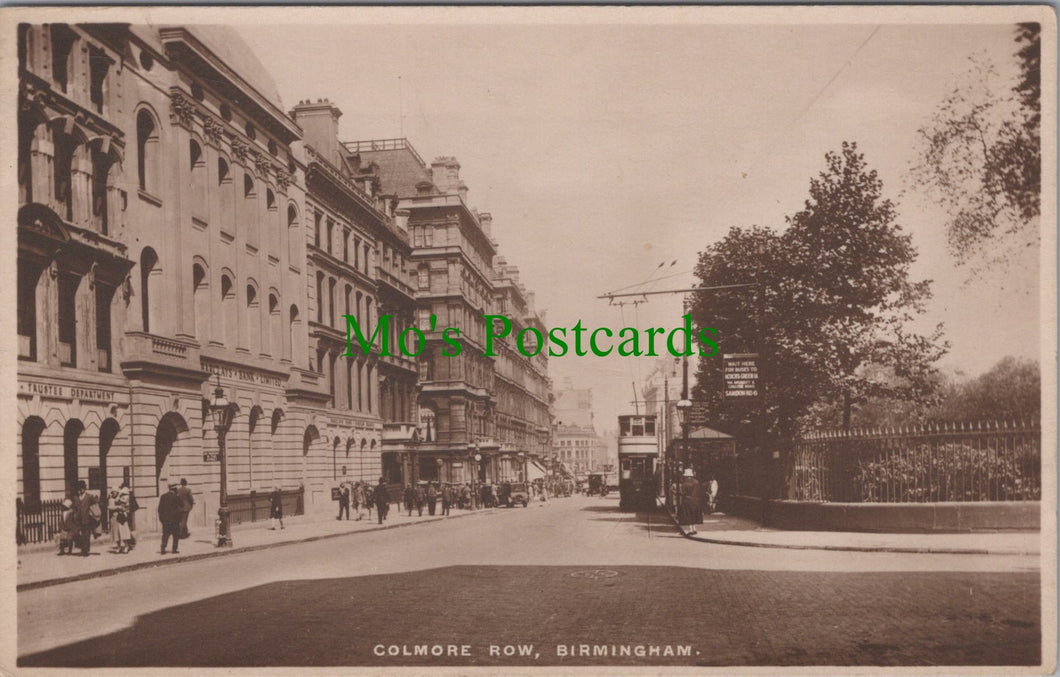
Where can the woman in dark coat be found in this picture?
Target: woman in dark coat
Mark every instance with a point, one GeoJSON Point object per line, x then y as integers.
{"type": "Point", "coordinates": [276, 508]}
{"type": "Point", "coordinates": [690, 512]}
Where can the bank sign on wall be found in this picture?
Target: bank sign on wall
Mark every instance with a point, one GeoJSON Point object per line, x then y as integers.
{"type": "Point", "coordinates": [740, 371]}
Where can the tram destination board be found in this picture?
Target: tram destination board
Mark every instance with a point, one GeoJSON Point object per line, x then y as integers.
{"type": "Point", "coordinates": [740, 371]}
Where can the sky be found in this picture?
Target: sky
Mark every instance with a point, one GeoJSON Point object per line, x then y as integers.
{"type": "Point", "coordinates": [603, 150]}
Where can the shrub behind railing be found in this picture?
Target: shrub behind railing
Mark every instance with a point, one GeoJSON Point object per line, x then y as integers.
{"type": "Point", "coordinates": [979, 461]}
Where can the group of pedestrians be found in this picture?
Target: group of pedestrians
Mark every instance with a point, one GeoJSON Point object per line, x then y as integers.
{"type": "Point", "coordinates": [358, 496]}
{"type": "Point", "coordinates": [428, 495]}
{"type": "Point", "coordinates": [694, 498]}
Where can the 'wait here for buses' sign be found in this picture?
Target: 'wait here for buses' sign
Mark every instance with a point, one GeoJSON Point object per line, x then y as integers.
{"type": "Point", "coordinates": [741, 375]}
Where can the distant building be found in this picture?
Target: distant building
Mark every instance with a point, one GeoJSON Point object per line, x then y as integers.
{"type": "Point", "coordinates": [575, 440]}
{"type": "Point", "coordinates": [483, 418]}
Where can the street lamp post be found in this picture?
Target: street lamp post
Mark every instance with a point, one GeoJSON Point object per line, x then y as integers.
{"type": "Point", "coordinates": [472, 450]}
{"type": "Point", "coordinates": [221, 411]}
{"type": "Point", "coordinates": [682, 418]}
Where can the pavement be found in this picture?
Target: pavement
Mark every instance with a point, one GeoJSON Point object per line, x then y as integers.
{"type": "Point", "coordinates": [572, 583]}
{"type": "Point", "coordinates": [39, 565]}
{"type": "Point", "coordinates": [722, 529]}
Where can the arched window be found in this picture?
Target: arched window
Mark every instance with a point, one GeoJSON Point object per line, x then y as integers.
{"type": "Point", "coordinates": [223, 174]}
{"type": "Point", "coordinates": [292, 235]}
{"type": "Point", "coordinates": [201, 293]}
{"type": "Point", "coordinates": [150, 288]}
{"type": "Point", "coordinates": [270, 198]}
{"type": "Point", "coordinates": [71, 435]}
{"type": "Point", "coordinates": [169, 430]}
{"type": "Point", "coordinates": [250, 211]}
{"type": "Point", "coordinates": [275, 347]}
{"type": "Point", "coordinates": [197, 167]}
{"type": "Point", "coordinates": [228, 310]}
{"type": "Point", "coordinates": [147, 151]}
{"type": "Point", "coordinates": [253, 319]}
{"type": "Point", "coordinates": [293, 327]}
{"type": "Point", "coordinates": [31, 432]}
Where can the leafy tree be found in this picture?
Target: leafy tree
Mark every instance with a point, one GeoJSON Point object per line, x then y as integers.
{"type": "Point", "coordinates": [831, 309]}
{"type": "Point", "coordinates": [1011, 389]}
{"type": "Point", "coordinates": [980, 157]}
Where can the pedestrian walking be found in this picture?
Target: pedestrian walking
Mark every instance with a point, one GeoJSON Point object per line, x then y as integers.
{"type": "Point", "coordinates": [432, 498]}
{"type": "Point", "coordinates": [119, 519]}
{"type": "Point", "coordinates": [690, 511]}
{"type": "Point", "coordinates": [382, 499]}
{"type": "Point", "coordinates": [713, 497]}
{"type": "Point", "coordinates": [170, 513]}
{"type": "Point", "coordinates": [68, 532]}
{"type": "Point", "coordinates": [187, 502]}
{"type": "Point", "coordinates": [88, 516]}
{"type": "Point", "coordinates": [276, 508]}
{"type": "Point", "coordinates": [358, 497]}
{"type": "Point", "coordinates": [419, 496]}
{"type": "Point", "coordinates": [465, 497]}
{"type": "Point", "coordinates": [447, 499]}
{"type": "Point", "coordinates": [410, 498]}
{"type": "Point", "coordinates": [369, 500]}
{"type": "Point", "coordinates": [344, 501]}
{"type": "Point", "coordinates": [134, 505]}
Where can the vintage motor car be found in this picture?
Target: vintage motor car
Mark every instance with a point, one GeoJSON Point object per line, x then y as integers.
{"type": "Point", "coordinates": [518, 492]}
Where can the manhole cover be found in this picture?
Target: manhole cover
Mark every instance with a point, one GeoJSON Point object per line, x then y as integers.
{"type": "Point", "coordinates": [595, 574]}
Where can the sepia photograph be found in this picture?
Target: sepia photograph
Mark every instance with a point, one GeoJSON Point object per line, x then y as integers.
{"type": "Point", "coordinates": [529, 340]}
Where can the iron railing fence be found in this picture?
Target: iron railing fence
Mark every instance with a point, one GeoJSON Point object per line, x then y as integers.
{"type": "Point", "coordinates": [979, 461]}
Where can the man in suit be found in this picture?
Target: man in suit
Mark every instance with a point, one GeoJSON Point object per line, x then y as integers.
{"type": "Point", "coordinates": [187, 502]}
{"type": "Point", "coordinates": [170, 513]}
{"type": "Point", "coordinates": [382, 499]}
{"type": "Point", "coordinates": [432, 498]}
{"type": "Point", "coordinates": [88, 513]}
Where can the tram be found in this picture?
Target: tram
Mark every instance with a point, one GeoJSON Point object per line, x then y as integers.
{"type": "Point", "coordinates": [638, 453]}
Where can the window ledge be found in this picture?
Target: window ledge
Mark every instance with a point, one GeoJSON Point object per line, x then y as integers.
{"type": "Point", "coordinates": [148, 198]}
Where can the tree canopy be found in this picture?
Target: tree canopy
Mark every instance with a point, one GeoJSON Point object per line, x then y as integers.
{"type": "Point", "coordinates": [979, 157]}
{"type": "Point", "coordinates": [831, 309]}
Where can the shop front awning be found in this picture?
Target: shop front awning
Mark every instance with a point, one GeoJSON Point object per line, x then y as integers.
{"type": "Point", "coordinates": [534, 471]}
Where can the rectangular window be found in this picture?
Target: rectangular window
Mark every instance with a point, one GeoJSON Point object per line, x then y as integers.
{"type": "Point", "coordinates": [63, 38]}
{"type": "Point", "coordinates": [28, 276]}
{"type": "Point", "coordinates": [98, 63]}
{"type": "Point", "coordinates": [104, 294]}
{"type": "Point", "coordinates": [68, 320]}
{"type": "Point", "coordinates": [423, 277]}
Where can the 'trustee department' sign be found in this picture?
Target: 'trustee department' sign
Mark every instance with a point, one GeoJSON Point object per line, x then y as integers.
{"type": "Point", "coordinates": [740, 371]}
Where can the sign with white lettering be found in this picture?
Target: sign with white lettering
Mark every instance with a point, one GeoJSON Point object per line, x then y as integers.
{"type": "Point", "coordinates": [66, 392]}
{"type": "Point", "coordinates": [740, 371]}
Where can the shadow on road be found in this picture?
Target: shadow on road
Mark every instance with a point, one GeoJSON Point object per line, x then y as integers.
{"type": "Point", "coordinates": [722, 617]}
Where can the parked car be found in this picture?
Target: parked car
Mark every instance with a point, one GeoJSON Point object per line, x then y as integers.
{"type": "Point", "coordinates": [519, 493]}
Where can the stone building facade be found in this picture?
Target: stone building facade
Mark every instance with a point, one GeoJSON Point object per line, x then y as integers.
{"type": "Point", "coordinates": [179, 231]}
{"type": "Point", "coordinates": [483, 417]}
{"type": "Point", "coordinates": [359, 267]}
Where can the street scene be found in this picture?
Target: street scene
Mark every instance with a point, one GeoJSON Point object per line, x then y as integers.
{"type": "Point", "coordinates": [575, 571]}
{"type": "Point", "coordinates": [478, 337]}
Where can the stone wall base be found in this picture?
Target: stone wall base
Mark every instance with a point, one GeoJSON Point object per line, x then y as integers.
{"type": "Point", "coordinates": [887, 517]}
